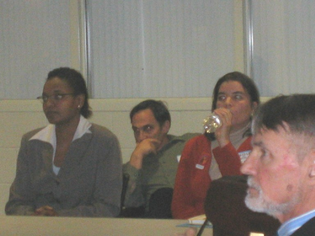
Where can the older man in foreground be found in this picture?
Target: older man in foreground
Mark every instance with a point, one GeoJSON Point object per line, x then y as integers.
{"type": "Point", "coordinates": [281, 167]}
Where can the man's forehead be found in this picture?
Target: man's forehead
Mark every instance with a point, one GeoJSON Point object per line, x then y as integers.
{"type": "Point", "coordinates": [143, 121]}
{"type": "Point", "coordinates": [264, 136]}
{"type": "Point", "coordinates": [143, 115]}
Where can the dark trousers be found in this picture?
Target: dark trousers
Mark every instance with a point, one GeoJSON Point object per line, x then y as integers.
{"type": "Point", "coordinates": [160, 204]}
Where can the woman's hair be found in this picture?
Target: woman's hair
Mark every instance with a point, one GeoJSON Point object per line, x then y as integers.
{"type": "Point", "coordinates": [247, 83]}
{"type": "Point", "coordinates": [76, 81]}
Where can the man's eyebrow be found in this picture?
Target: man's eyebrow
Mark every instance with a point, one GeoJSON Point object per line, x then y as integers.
{"type": "Point", "coordinates": [143, 127]}
{"type": "Point", "coordinates": [259, 144]}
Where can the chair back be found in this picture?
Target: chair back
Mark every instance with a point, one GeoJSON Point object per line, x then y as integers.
{"type": "Point", "coordinates": [226, 210]}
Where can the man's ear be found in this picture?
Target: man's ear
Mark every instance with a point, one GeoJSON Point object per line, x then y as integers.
{"type": "Point", "coordinates": [166, 126]}
{"type": "Point", "coordinates": [312, 171]}
{"type": "Point", "coordinates": [312, 165]}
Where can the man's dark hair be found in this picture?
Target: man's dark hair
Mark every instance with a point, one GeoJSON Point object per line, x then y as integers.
{"type": "Point", "coordinates": [158, 108]}
{"type": "Point", "coordinates": [297, 111]}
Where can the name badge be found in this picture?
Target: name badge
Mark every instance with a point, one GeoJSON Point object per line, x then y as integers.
{"type": "Point", "coordinates": [244, 155]}
{"type": "Point", "coordinates": [200, 167]}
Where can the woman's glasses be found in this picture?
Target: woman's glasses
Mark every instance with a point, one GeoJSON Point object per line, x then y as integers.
{"type": "Point", "coordinates": [54, 98]}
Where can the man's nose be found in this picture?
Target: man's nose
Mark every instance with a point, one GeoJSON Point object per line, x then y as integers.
{"type": "Point", "coordinates": [142, 135]}
{"type": "Point", "coordinates": [248, 167]}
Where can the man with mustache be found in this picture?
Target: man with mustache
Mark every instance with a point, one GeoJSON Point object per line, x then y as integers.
{"type": "Point", "coordinates": [153, 163]}
{"type": "Point", "coordinates": [281, 166]}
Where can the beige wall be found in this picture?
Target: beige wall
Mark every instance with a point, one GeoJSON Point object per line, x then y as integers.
{"type": "Point", "coordinates": [20, 116]}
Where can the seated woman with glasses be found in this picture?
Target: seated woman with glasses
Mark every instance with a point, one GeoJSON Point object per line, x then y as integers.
{"type": "Point", "coordinates": [71, 167]}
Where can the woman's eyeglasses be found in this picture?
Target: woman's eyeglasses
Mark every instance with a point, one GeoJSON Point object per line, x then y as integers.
{"type": "Point", "coordinates": [55, 97]}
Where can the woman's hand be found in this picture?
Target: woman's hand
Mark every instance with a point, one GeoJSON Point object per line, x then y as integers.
{"type": "Point", "coordinates": [45, 211]}
{"type": "Point", "coordinates": [222, 133]}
